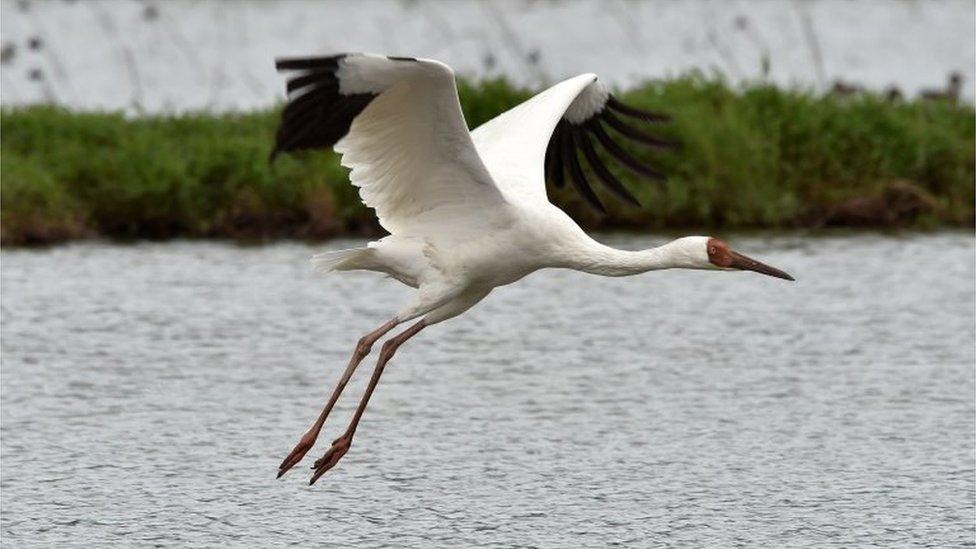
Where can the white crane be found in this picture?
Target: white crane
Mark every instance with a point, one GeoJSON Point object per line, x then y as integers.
{"type": "Point", "coordinates": [466, 211]}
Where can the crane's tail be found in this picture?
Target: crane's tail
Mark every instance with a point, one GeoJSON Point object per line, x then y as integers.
{"type": "Point", "coordinates": [342, 260]}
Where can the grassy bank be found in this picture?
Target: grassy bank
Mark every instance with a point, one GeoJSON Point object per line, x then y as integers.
{"type": "Point", "coordinates": [759, 157]}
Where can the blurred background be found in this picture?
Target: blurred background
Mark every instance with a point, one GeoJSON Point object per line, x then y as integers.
{"type": "Point", "coordinates": [142, 119]}
{"type": "Point", "coordinates": [145, 56]}
{"type": "Point", "coordinates": [164, 342]}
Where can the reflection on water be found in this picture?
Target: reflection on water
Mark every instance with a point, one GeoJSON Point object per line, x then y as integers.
{"type": "Point", "coordinates": [149, 392]}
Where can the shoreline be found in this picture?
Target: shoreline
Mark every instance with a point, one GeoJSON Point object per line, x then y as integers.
{"type": "Point", "coordinates": [599, 235]}
{"type": "Point", "coordinates": [758, 157]}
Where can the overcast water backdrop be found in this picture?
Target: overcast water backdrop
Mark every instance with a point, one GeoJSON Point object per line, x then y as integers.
{"type": "Point", "coordinates": [149, 392]}
{"type": "Point", "coordinates": [175, 55]}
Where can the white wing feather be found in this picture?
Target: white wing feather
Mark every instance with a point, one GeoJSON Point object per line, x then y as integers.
{"type": "Point", "coordinates": [513, 144]}
{"type": "Point", "coordinates": [410, 151]}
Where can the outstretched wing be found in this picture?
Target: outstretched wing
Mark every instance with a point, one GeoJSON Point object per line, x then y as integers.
{"type": "Point", "coordinates": [398, 125]}
{"type": "Point", "coordinates": [542, 138]}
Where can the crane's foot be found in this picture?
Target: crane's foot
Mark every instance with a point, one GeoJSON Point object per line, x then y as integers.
{"type": "Point", "coordinates": [296, 455]}
{"type": "Point", "coordinates": [339, 448]}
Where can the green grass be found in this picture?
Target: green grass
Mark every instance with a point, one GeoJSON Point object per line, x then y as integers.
{"type": "Point", "coordinates": [755, 157]}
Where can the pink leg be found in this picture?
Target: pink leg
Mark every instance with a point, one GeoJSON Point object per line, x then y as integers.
{"type": "Point", "coordinates": [308, 439]}
{"type": "Point", "coordinates": [341, 445]}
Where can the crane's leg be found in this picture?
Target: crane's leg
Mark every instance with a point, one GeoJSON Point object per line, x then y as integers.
{"type": "Point", "coordinates": [341, 445]}
{"type": "Point", "coordinates": [308, 439]}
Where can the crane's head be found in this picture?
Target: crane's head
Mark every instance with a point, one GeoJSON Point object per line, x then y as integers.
{"type": "Point", "coordinates": [704, 252]}
{"type": "Point", "coordinates": [721, 256]}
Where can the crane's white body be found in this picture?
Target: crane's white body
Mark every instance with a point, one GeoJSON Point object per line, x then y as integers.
{"type": "Point", "coordinates": [468, 211]}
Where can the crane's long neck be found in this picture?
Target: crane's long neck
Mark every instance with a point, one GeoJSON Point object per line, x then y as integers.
{"type": "Point", "coordinates": [603, 260]}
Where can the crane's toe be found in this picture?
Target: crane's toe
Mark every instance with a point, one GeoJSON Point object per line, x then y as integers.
{"type": "Point", "coordinates": [339, 448]}
{"type": "Point", "coordinates": [296, 455]}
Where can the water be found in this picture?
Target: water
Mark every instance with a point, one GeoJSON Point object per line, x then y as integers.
{"type": "Point", "coordinates": [149, 392]}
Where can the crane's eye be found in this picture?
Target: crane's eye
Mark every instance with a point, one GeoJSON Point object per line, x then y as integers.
{"type": "Point", "coordinates": [711, 250]}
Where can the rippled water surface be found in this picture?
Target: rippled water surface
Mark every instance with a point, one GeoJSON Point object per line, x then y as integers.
{"type": "Point", "coordinates": [149, 392]}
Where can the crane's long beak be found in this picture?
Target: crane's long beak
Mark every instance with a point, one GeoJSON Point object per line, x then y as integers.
{"type": "Point", "coordinates": [744, 263]}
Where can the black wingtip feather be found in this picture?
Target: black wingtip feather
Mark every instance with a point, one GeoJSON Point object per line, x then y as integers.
{"type": "Point", "coordinates": [620, 154]}
{"type": "Point", "coordinates": [553, 167]}
{"type": "Point", "coordinates": [614, 104]}
{"type": "Point", "coordinates": [308, 63]}
{"type": "Point", "coordinates": [636, 134]}
{"type": "Point", "coordinates": [567, 138]}
{"type": "Point", "coordinates": [317, 114]}
{"type": "Point", "coordinates": [577, 178]}
{"type": "Point", "coordinates": [610, 182]}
